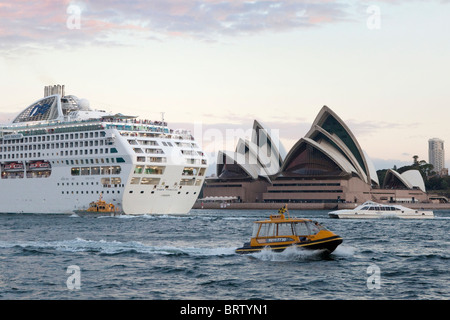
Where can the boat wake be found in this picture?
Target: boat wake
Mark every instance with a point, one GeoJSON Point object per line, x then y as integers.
{"type": "Point", "coordinates": [300, 254]}
{"type": "Point", "coordinates": [103, 247]}
{"type": "Point", "coordinates": [290, 254]}
{"type": "Point", "coordinates": [441, 218]}
{"type": "Point", "coordinates": [344, 251]}
{"type": "Point", "coordinates": [114, 247]}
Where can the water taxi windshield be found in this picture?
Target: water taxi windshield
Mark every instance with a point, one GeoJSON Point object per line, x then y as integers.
{"type": "Point", "coordinates": [298, 228]}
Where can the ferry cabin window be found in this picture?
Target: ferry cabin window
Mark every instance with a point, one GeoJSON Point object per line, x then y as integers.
{"type": "Point", "coordinates": [313, 227]}
{"type": "Point", "coordinates": [301, 229]}
{"type": "Point", "coordinates": [266, 230]}
{"type": "Point", "coordinates": [255, 230]}
{"type": "Point", "coordinates": [285, 229]}
{"type": "Point", "coordinates": [275, 229]}
{"type": "Point", "coordinates": [307, 228]}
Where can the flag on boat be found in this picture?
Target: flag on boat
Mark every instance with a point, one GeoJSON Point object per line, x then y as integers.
{"type": "Point", "coordinates": [282, 210]}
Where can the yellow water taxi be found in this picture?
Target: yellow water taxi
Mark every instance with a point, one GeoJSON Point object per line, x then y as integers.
{"type": "Point", "coordinates": [281, 232]}
{"type": "Point", "coordinates": [99, 208]}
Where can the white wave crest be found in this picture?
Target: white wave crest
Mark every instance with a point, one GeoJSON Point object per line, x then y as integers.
{"type": "Point", "coordinates": [116, 247]}
{"type": "Point", "coordinates": [344, 251]}
{"type": "Point", "coordinates": [295, 254]}
{"type": "Point", "coordinates": [290, 254]}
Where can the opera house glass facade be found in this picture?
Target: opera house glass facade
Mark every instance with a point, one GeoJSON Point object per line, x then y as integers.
{"type": "Point", "coordinates": [326, 166]}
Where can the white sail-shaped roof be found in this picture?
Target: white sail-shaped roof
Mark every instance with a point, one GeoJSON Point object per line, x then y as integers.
{"type": "Point", "coordinates": [295, 158]}
{"type": "Point", "coordinates": [269, 141]}
{"type": "Point", "coordinates": [258, 157]}
{"type": "Point", "coordinates": [330, 122]}
{"type": "Point", "coordinates": [247, 155]}
{"type": "Point", "coordinates": [319, 134]}
{"type": "Point", "coordinates": [415, 179]}
{"type": "Point", "coordinates": [392, 179]}
{"type": "Point", "coordinates": [332, 136]}
{"type": "Point", "coordinates": [228, 166]}
{"type": "Point", "coordinates": [411, 179]}
{"type": "Point", "coordinates": [334, 154]}
{"type": "Point", "coordinates": [372, 170]}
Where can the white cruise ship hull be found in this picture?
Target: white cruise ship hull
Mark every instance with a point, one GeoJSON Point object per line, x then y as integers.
{"type": "Point", "coordinates": [56, 162]}
{"type": "Point", "coordinates": [63, 193]}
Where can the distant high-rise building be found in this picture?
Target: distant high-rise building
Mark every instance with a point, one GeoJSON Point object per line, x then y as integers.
{"type": "Point", "coordinates": [436, 154]}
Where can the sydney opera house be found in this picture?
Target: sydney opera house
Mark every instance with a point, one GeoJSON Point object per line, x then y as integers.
{"type": "Point", "coordinates": [327, 166]}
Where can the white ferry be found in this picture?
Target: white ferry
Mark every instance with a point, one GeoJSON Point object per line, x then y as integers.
{"type": "Point", "coordinates": [58, 155]}
{"type": "Point", "coordinates": [373, 210]}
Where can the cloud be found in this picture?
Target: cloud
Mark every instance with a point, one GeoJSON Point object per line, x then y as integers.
{"type": "Point", "coordinates": [67, 23]}
{"type": "Point", "coordinates": [206, 18]}
{"type": "Point", "coordinates": [364, 128]}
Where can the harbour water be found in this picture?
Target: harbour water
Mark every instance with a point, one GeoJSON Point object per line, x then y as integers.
{"type": "Point", "coordinates": [192, 257]}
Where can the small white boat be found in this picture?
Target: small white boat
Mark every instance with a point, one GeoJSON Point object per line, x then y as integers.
{"type": "Point", "coordinates": [373, 210]}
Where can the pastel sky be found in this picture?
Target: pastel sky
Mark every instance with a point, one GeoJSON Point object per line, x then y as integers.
{"type": "Point", "coordinates": [383, 66]}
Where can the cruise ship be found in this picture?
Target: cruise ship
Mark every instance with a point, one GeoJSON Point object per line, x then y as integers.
{"type": "Point", "coordinates": [58, 155]}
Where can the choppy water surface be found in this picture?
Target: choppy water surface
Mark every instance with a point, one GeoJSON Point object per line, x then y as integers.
{"type": "Point", "coordinates": [192, 257]}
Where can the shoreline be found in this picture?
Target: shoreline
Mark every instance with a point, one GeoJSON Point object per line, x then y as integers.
{"type": "Point", "coordinates": [308, 206]}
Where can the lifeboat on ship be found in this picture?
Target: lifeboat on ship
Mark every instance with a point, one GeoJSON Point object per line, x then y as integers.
{"type": "Point", "coordinates": [39, 165]}
{"type": "Point", "coordinates": [280, 232]}
{"type": "Point", "coordinates": [13, 166]}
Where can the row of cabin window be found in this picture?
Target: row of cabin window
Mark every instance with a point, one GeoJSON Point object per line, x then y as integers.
{"type": "Point", "coordinates": [164, 143]}
{"type": "Point", "coordinates": [62, 153]}
{"type": "Point", "coordinates": [152, 192]}
{"type": "Point", "coordinates": [56, 145]}
{"type": "Point", "coordinates": [87, 192]}
{"type": "Point", "coordinates": [117, 182]}
{"type": "Point", "coordinates": [86, 171]}
{"type": "Point", "coordinates": [53, 137]}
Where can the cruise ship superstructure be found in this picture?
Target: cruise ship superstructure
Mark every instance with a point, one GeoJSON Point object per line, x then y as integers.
{"type": "Point", "coordinates": [58, 155]}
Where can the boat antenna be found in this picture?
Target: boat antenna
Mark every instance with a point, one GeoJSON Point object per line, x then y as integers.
{"type": "Point", "coordinates": [285, 205]}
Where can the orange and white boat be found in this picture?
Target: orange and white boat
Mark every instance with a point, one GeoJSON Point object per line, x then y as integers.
{"type": "Point", "coordinates": [99, 208]}
{"type": "Point", "coordinates": [280, 232]}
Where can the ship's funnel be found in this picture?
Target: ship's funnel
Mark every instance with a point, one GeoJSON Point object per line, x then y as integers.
{"type": "Point", "coordinates": [55, 89]}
